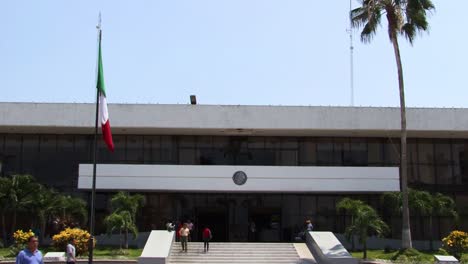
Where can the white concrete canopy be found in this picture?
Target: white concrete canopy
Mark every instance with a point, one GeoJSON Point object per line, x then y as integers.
{"type": "Point", "coordinates": [209, 178]}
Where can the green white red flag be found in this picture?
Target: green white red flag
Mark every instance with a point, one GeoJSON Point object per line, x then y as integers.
{"type": "Point", "coordinates": [103, 111]}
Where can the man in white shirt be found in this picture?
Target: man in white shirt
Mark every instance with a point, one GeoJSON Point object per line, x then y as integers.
{"type": "Point", "coordinates": [71, 252]}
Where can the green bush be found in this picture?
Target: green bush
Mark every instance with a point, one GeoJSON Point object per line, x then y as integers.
{"type": "Point", "coordinates": [442, 251]}
{"type": "Point", "coordinates": [410, 255]}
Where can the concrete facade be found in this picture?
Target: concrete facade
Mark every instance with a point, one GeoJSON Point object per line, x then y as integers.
{"type": "Point", "coordinates": [234, 120]}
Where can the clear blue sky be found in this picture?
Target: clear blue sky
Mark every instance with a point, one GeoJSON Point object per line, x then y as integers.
{"type": "Point", "coordinates": [260, 52]}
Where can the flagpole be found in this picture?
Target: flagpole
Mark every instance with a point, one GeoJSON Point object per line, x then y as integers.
{"type": "Point", "coordinates": [93, 191]}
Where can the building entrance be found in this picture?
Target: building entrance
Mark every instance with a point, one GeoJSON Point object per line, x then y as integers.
{"type": "Point", "coordinates": [267, 223]}
{"type": "Point", "coordinates": [216, 220]}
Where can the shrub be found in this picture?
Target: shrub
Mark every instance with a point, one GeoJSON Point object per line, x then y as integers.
{"type": "Point", "coordinates": [61, 240]}
{"type": "Point", "coordinates": [410, 255]}
{"type": "Point", "coordinates": [456, 243]}
{"type": "Point", "coordinates": [388, 249]}
{"type": "Point", "coordinates": [21, 239]}
{"type": "Point", "coordinates": [442, 251]}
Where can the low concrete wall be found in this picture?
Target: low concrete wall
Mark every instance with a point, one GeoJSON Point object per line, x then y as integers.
{"type": "Point", "coordinates": [382, 243]}
{"type": "Point", "coordinates": [82, 261]}
{"type": "Point", "coordinates": [114, 240]}
{"type": "Point", "coordinates": [157, 247]}
{"type": "Point", "coordinates": [327, 249]}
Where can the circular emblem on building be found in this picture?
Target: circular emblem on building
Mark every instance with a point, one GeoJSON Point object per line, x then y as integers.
{"type": "Point", "coordinates": [239, 177]}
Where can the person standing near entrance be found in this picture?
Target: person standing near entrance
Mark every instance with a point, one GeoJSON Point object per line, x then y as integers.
{"type": "Point", "coordinates": [190, 227]}
{"type": "Point", "coordinates": [252, 231]}
{"type": "Point", "coordinates": [30, 255]}
{"type": "Point", "coordinates": [207, 236]}
{"type": "Point", "coordinates": [71, 252]}
{"type": "Point", "coordinates": [309, 226]}
{"type": "Point", "coordinates": [184, 233]}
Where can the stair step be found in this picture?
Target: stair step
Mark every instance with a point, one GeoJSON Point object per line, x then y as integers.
{"type": "Point", "coordinates": [224, 261]}
{"type": "Point", "coordinates": [235, 252]}
{"type": "Point", "coordinates": [209, 255]}
{"type": "Point", "coordinates": [230, 261]}
{"type": "Point", "coordinates": [236, 257]}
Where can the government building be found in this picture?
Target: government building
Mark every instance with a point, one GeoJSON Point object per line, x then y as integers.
{"type": "Point", "coordinates": [228, 166]}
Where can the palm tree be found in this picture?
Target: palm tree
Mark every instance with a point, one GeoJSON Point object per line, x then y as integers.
{"type": "Point", "coordinates": [352, 206]}
{"type": "Point", "coordinates": [422, 203]}
{"type": "Point", "coordinates": [4, 187]}
{"type": "Point", "coordinates": [123, 222]}
{"type": "Point", "coordinates": [365, 221]}
{"type": "Point", "coordinates": [20, 195]}
{"type": "Point", "coordinates": [73, 210]}
{"type": "Point", "coordinates": [123, 217]}
{"type": "Point", "coordinates": [123, 201]}
{"type": "Point", "coordinates": [45, 205]}
{"type": "Point", "coordinates": [404, 17]}
{"type": "Point", "coordinates": [442, 205]}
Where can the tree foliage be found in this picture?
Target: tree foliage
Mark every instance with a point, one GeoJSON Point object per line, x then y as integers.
{"type": "Point", "coordinates": [364, 221]}
{"type": "Point", "coordinates": [22, 193]}
{"type": "Point", "coordinates": [123, 222]}
{"type": "Point", "coordinates": [123, 216]}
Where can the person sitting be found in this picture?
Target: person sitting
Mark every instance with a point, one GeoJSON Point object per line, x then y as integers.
{"type": "Point", "coordinates": [170, 226]}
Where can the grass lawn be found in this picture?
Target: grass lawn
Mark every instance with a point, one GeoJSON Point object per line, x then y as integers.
{"type": "Point", "coordinates": [115, 253]}
{"type": "Point", "coordinates": [99, 253]}
{"type": "Point", "coordinates": [424, 256]}
{"type": "Point", "coordinates": [4, 252]}
{"type": "Point", "coordinates": [373, 254]}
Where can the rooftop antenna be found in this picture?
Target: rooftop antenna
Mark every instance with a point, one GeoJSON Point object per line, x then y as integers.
{"type": "Point", "coordinates": [351, 51]}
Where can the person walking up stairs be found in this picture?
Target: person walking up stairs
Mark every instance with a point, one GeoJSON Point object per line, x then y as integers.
{"type": "Point", "coordinates": [207, 236]}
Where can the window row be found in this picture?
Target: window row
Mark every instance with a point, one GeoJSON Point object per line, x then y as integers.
{"type": "Point", "coordinates": [430, 161]}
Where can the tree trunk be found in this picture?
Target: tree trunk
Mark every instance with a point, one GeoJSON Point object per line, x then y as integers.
{"type": "Point", "coordinates": [364, 245]}
{"type": "Point", "coordinates": [42, 228]}
{"type": "Point", "coordinates": [120, 237]}
{"type": "Point", "coordinates": [431, 238]}
{"type": "Point", "coordinates": [13, 222]}
{"type": "Point", "coordinates": [5, 237]}
{"type": "Point", "coordinates": [406, 230]}
{"type": "Point", "coordinates": [353, 244]}
{"type": "Point", "coordinates": [126, 238]}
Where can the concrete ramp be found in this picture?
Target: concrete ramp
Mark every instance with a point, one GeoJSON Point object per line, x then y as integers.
{"type": "Point", "coordinates": [326, 248]}
{"type": "Point", "coordinates": [157, 247]}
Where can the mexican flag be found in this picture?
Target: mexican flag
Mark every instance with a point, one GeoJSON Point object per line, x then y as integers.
{"type": "Point", "coordinates": [103, 112]}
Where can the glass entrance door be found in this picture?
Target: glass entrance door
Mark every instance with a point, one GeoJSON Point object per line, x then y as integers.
{"type": "Point", "coordinates": [216, 220]}
{"type": "Point", "coordinates": [267, 223]}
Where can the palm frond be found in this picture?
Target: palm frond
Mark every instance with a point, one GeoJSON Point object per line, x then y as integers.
{"type": "Point", "coordinates": [416, 18]}
{"type": "Point", "coordinates": [368, 16]}
{"type": "Point", "coordinates": [358, 17]}
{"type": "Point", "coordinates": [368, 32]}
{"type": "Point", "coordinates": [409, 31]}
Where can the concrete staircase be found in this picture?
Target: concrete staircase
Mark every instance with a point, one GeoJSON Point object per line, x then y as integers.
{"type": "Point", "coordinates": [235, 253]}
